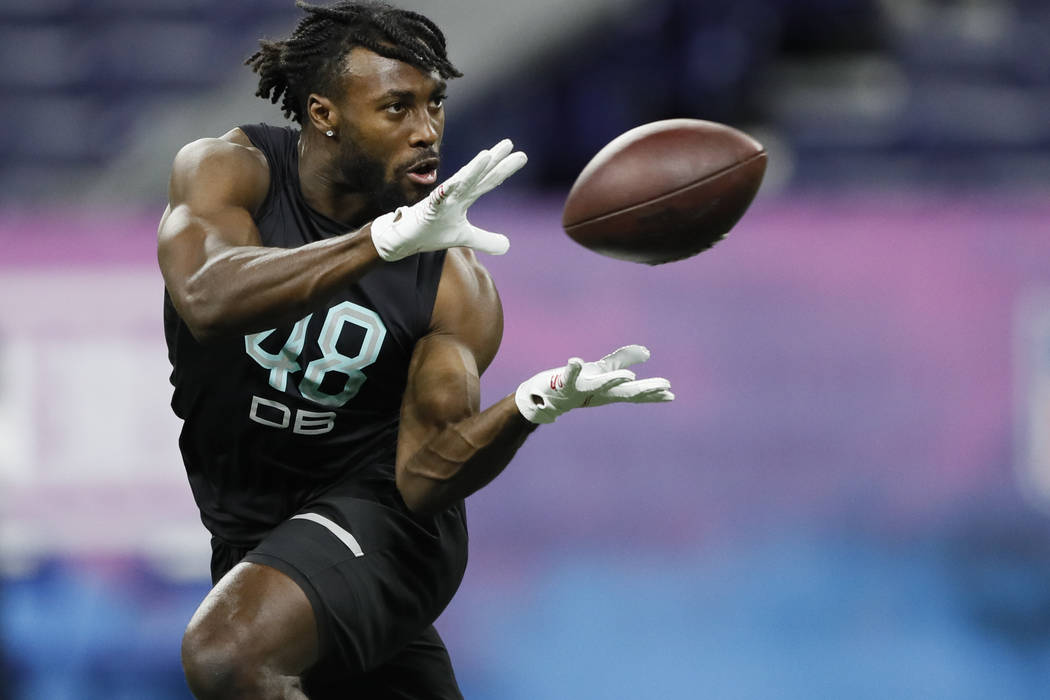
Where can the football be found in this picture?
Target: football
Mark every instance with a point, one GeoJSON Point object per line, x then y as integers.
{"type": "Point", "coordinates": [664, 191]}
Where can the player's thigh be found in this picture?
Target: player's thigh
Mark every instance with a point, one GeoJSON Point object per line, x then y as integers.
{"type": "Point", "coordinates": [375, 579]}
{"type": "Point", "coordinates": [254, 616]}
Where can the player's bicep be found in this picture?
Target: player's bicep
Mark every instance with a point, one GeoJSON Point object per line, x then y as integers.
{"type": "Point", "coordinates": [215, 185]}
{"type": "Point", "coordinates": [444, 387]}
{"type": "Point", "coordinates": [444, 384]}
{"type": "Point", "coordinates": [444, 381]}
{"type": "Point", "coordinates": [468, 306]}
{"type": "Point", "coordinates": [466, 328]}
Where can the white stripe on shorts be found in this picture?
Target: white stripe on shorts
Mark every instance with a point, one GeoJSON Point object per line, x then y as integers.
{"type": "Point", "coordinates": [344, 536]}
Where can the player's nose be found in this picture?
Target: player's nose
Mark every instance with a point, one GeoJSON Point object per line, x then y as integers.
{"type": "Point", "coordinates": [425, 131]}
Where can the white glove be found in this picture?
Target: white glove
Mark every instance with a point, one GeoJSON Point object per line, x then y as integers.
{"type": "Point", "coordinates": [440, 220]}
{"type": "Point", "coordinates": [549, 394]}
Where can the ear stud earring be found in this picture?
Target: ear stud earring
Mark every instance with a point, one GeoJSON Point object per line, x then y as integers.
{"type": "Point", "coordinates": [329, 133]}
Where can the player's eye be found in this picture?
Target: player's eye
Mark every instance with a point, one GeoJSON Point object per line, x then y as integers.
{"type": "Point", "coordinates": [438, 101]}
{"type": "Point", "coordinates": [396, 107]}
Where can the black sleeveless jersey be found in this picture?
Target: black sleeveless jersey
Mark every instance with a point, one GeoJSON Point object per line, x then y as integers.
{"type": "Point", "coordinates": [273, 419]}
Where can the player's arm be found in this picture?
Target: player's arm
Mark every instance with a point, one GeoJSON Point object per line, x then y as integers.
{"type": "Point", "coordinates": [448, 448]}
{"type": "Point", "coordinates": [220, 277]}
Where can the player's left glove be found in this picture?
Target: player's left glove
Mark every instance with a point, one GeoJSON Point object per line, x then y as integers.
{"type": "Point", "coordinates": [544, 397]}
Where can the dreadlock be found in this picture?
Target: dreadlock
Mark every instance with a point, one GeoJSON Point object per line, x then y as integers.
{"type": "Point", "coordinates": [311, 59]}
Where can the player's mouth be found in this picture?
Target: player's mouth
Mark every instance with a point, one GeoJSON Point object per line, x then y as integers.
{"type": "Point", "coordinates": [424, 172]}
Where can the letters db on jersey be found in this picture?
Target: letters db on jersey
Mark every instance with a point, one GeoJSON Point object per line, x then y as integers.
{"type": "Point", "coordinates": [321, 360]}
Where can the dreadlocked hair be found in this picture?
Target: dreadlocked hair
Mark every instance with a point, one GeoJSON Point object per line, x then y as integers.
{"type": "Point", "coordinates": [311, 59]}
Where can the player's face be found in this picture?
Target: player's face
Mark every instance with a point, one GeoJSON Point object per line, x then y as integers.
{"type": "Point", "coordinates": [394, 118]}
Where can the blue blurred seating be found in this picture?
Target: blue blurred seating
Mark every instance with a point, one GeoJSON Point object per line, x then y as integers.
{"type": "Point", "coordinates": [78, 73]}
{"type": "Point", "coordinates": [855, 88]}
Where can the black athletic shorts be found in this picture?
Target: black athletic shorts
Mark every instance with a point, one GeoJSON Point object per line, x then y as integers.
{"type": "Point", "coordinates": [377, 579]}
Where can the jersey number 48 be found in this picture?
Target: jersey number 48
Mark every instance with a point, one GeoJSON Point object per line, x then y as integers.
{"type": "Point", "coordinates": [285, 362]}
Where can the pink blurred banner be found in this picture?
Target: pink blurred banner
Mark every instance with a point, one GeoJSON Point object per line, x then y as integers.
{"type": "Point", "coordinates": [847, 360]}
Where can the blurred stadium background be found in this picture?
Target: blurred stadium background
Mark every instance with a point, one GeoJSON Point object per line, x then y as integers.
{"type": "Point", "coordinates": [847, 500]}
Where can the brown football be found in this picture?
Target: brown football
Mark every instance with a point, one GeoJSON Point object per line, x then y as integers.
{"type": "Point", "coordinates": [664, 191]}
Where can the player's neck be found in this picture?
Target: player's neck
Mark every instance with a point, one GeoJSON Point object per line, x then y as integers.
{"type": "Point", "coordinates": [320, 188]}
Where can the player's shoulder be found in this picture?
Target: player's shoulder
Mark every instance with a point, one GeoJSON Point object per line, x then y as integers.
{"type": "Point", "coordinates": [469, 276]}
{"type": "Point", "coordinates": [232, 150]}
{"type": "Point", "coordinates": [468, 304]}
{"type": "Point", "coordinates": [225, 164]}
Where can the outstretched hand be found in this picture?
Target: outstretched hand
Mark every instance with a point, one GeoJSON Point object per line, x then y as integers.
{"type": "Point", "coordinates": [549, 394]}
{"type": "Point", "coordinates": [440, 220]}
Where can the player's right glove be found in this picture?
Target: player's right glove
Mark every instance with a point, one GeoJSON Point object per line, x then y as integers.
{"type": "Point", "coordinates": [440, 220]}
{"type": "Point", "coordinates": [549, 394]}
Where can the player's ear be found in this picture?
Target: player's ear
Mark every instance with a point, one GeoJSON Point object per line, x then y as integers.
{"type": "Point", "coordinates": [322, 113]}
